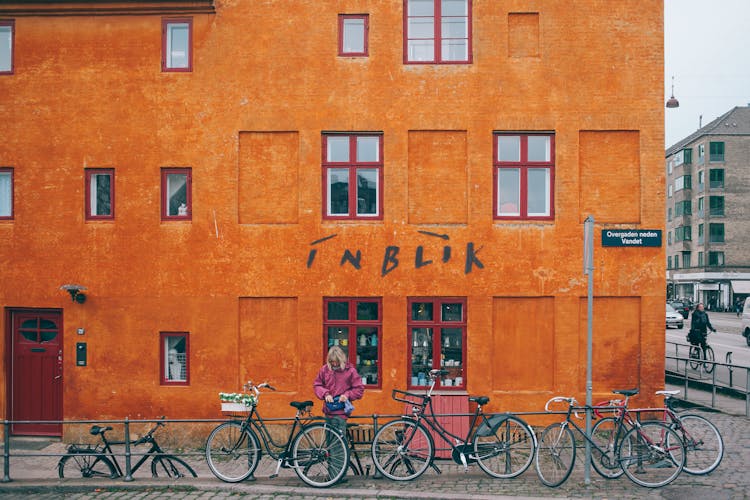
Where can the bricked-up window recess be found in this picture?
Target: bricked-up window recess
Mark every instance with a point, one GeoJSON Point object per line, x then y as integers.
{"type": "Point", "coordinates": [352, 176]}
{"type": "Point", "coordinates": [174, 355]}
{"type": "Point", "coordinates": [100, 193]}
{"type": "Point", "coordinates": [524, 175]}
{"type": "Point", "coordinates": [353, 34]}
{"type": "Point", "coordinates": [355, 325]}
{"type": "Point", "coordinates": [6, 193]}
{"type": "Point", "coordinates": [177, 44]}
{"type": "Point", "coordinates": [437, 31]}
{"type": "Point", "coordinates": [437, 340]}
{"type": "Point", "coordinates": [176, 194]}
{"type": "Point", "coordinates": [7, 32]}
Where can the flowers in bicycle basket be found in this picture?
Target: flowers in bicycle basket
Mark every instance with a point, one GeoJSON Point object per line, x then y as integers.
{"type": "Point", "coordinates": [240, 398]}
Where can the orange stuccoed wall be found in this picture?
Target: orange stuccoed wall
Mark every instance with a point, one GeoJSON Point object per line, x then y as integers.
{"type": "Point", "coordinates": [88, 91]}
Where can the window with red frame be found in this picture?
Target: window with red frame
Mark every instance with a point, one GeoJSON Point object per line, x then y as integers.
{"type": "Point", "coordinates": [7, 34]}
{"type": "Point", "coordinates": [177, 44]}
{"type": "Point", "coordinates": [100, 193]}
{"type": "Point", "coordinates": [353, 31]}
{"type": "Point", "coordinates": [174, 353]}
{"type": "Point", "coordinates": [437, 31]}
{"type": "Point", "coordinates": [355, 325]}
{"type": "Point", "coordinates": [352, 176]}
{"type": "Point", "coordinates": [524, 175]}
{"type": "Point", "coordinates": [176, 198]}
{"type": "Point", "coordinates": [437, 339]}
{"type": "Point", "coordinates": [6, 193]}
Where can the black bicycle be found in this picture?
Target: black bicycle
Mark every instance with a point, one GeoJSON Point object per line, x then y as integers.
{"type": "Point", "coordinates": [100, 461]}
{"type": "Point", "coordinates": [316, 451]}
{"type": "Point", "coordinates": [502, 445]}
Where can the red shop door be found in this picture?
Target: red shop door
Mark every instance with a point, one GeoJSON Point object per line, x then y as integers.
{"type": "Point", "coordinates": [36, 385]}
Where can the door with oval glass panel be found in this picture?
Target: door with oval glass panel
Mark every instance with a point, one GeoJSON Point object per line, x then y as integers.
{"type": "Point", "coordinates": [36, 371]}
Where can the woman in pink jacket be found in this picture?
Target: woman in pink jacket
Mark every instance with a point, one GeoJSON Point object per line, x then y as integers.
{"type": "Point", "coordinates": [336, 384]}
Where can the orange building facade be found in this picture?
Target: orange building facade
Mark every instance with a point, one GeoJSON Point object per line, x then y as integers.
{"type": "Point", "coordinates": [240, 184]}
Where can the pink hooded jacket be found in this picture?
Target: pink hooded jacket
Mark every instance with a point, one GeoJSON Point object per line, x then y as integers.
{"type": "Point", "coordinates": [337, 382]}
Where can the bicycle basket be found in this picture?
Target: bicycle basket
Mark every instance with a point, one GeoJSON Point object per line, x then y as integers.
{"type": "Point", "coordinates": [237, 403]}
{"type": "Point", "coordinates": [408, 397]}
{"type": "Point", "coordinates": [488, 425]}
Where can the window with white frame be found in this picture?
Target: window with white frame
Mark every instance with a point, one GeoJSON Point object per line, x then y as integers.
{"type": "Point", "coordinates": [174, 354]}
{"type": "Point", "coordinates": [437, 31]}
{"type": "Point", "coordinates": [177, 41]}
{"type": "Point", "coordinates": [7, 32]}
{"type": "Point", "coordinates": [100, 193]}
{"type": "Point", "coordinates": [176, 198]}
{"type": "Point", "coordinates": [6, 193]}
{"type": "Point", "coordinates": [524, 175]}
{"type": "Point", "coordinates": [353, 175]}
{"type": "Point", "coordinates": [353, 31]}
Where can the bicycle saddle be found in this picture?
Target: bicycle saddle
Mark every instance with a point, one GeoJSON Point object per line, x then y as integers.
{"type": "Point", "coordinates": [668, 393]}
{"type": "Point", "coordinates": [95, 429]}
{"type": "Point", "coordinates": [627, 392]}
{"type": "Point", "coordinates": [301, 405]}
{"type": "Point", "coordinates": [480, 400]}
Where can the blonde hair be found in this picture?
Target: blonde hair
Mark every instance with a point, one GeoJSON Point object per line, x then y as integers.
{"type": "Point", "coordinates": [336, 353]}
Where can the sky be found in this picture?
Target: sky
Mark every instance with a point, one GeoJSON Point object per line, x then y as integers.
{"type": "Point", "coordinates": [707, 50]}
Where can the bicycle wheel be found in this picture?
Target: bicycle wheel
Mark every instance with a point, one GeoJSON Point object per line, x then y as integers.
{"type": "Point", "coordinates": [655, 456]}
{"type": "Point", "coordinates": [703, 443]}
{"type": "Point", "coordinates": [86, 464]}
{"type": "Point", "coordinates": [555, 455]}
{"type": "Point", "coordinates": [320, 455]}
{"type": "Point", "coordinates": [402, 450]}
{"type": "Point", "coordinates": [708, 356]}
{"type": "Point", "coordinates": [232, 453]}
{"type": "Point", "coordinates": [171, 466]}
{"type": "Point", "coordinates": [695, 357]}
{"type": "Point", "coordinates": [604, 454]}
{"type": "Point", "coordinates": [508, 450]}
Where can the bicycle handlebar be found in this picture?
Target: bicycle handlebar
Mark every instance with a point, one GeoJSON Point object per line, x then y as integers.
{"type": "Point", "coordinates": [560, 399]}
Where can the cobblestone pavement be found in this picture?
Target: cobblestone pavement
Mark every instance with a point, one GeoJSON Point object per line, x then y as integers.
{"type": "Point", "coordinates": [35, 476]}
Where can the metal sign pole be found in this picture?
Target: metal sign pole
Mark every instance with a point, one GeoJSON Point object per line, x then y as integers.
{"type": "Point", "coordinates": [588, 269]}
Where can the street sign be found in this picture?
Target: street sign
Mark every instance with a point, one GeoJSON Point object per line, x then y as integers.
{"type": "Point", "coordinates": [631, 237]}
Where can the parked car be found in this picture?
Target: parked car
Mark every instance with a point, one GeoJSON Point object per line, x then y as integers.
{"type": "Point", "coordinates": [682, 306]}
{"type": "Point", "coordinates": [745, 322]}
{"type": "Point", "coordinates": [675, 319]}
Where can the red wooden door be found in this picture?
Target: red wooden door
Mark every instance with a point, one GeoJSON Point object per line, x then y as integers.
{"type": "Point", "coordinates": [36, 385]}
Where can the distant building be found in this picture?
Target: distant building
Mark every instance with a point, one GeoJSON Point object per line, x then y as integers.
{"type": "Point", "coordinates": [708, 201]}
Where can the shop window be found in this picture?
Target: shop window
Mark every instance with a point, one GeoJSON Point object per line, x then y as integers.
{"type": "Point", "coordinates": [176, 198]}
{"type": "Point", "coordinates": [6, 193]}
{"type": "Point", "coordinates": [177, 41]}
{"type": "Point", "coordinates": [524, 176]}
{"type": "Point", "coordinates": [355, 325]}
{"type": "Point", "coordinates": [174, 353]}
{"type": "Point", "coordinates": [353, 176]}
{"type": "Point", "coordinates": [7, 33]}
{"type": "Point", "coordinates": [437, 336]}
{"type": "Point", "coordinates": [100, 193]}
{"type": "Point", "coordinates": [716, 151]}
{"type": "Point", "coordinates": [437, 31]}
{"type": "Point", "coordinates": [716, 178]}
{"type": "Point", "coordinates": [353, 34]}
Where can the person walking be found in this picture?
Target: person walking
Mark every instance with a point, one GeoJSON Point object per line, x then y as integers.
{"type": "Point", "coordinates": [338, 384]}
{"type": "Point", "coordinates": [699, 326]}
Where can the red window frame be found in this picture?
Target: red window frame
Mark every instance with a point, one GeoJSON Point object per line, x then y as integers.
{"type": "Point", "coordinates": [523, 165]}
{"type": "Point", "coordinates": [12, 24]}
{"type": "Point", "coordinates": [165, 22]}
{"type": "Point", "coordinates": [165, 172]}
{"type": "Point", "coordinates": [90, 172]}
{"type": "Point", "coordinates": [355, 349]}
{"type": "Point", "coordinates": [12, 193]}
{"type": "Point", "coordinates": [352, 165]}
{"type": "Point", "coordinates": [437, 36]}
{"type": "Point", "coordinates": [163, 363]}
{"type": "Point", "coordinates": [437, 324]}
{"type": "Point", "coordinates": [365, 46]}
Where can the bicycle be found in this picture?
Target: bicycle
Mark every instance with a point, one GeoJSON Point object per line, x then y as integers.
{"type": "Point", "coordinates": [701, 357]}
{"type": "Point", "coordinates": [100, 461]}
{"type": "Point", "coordinates": [703, 442]}
{"type": "Point", "coordinates": [503, 445]}
{"type": "Point", "coordinates": [317, 452]}
{"type": "Point", "coordinates": [651, 454]}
